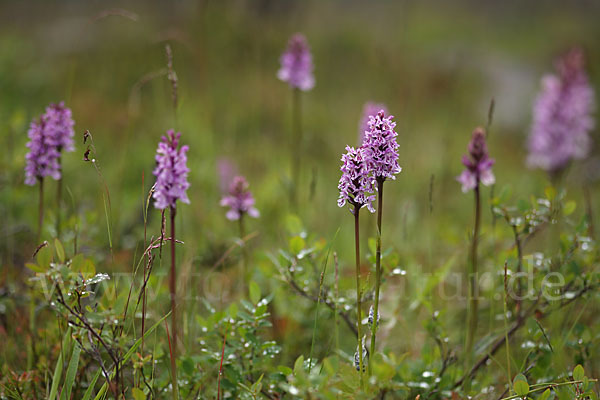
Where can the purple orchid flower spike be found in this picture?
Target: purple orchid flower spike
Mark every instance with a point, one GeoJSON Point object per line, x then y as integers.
{"type": "Point", "coordinates": [171, 172]}
{"type": "Point", "coordinates": [562, 116]}
{"type": "Point", "coordinates": [239, 200]}
{"type": "Point", "coordinates": [478, 163]}
{"type": "Point", "coordinates": [296, 64]}
{"type": "Point", "coordinates": [355, 184]}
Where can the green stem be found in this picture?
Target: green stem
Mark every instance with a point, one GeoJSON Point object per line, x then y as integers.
{"type": "Point", "coordinates": [509, 375]}
{"type": "Point", "coordinates": [296, 143]}
{"type": "Point", "coordinates": [358, 295]}
{"type": "Point", "coordinates": [244, 251]}
{"type": "Point", "coordinates": [58, 199]}
{"type": "Point", "coordinates": [472, 277]}
{"type": "Point", "coordinates": [172, 289]}
{"type": "Point", "coordinates": [377, 267]}
{"type": "Point", "coordinates": [40, 210]}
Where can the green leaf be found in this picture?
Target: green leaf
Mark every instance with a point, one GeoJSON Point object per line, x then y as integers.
{"type": "Point", "coordinates": [296, 244]}
{"type": "Point", "coordinates": [254, 290]}
{"type": "Point", "coordinates": [44, 257]}
{"type": "Point", "coordinates": [71, 372]}
{"type": "Point", "coordinates": [285, 370]}
{"type": "Point", "coordinates": [59, 367]}
{"type": "Point", "coordinates": [569, 207]}
{"type": "Point", "coordinates": [520, 385]}
{"type": "Point", "coordinates": [138, 394]}
{"type": "Point", "coordinates": [578, 373]}
{"type": "Point", "coordinates": [35, 267]}
{"type": "Point", "coordinates": [60, 250]}
{"type": "Point", "coordinates": [545, 395]}
{"type": "Point", "coordinates": [128, 355]}
{"type": "Point", "coordinates": [550, 193]}
{"type": "Point", "coordinates": [299, 364]}
{"type": "Point", "coordinates": [90, 390]}
{"type": "Point", "coordinates": [293, 224]}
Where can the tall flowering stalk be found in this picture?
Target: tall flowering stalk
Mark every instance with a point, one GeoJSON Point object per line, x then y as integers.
{"type": "Point", "coordinates": [356, 190]}
{"type": "Point", "coordinates": [381, 157]}
{"type": "Point", "coordinates": [297, 71]}
{"type": "Point", "coordinates": [51, 134]}
{"type": "Point", "coordinates": [171, 185]}
{"type": "Point", "coordinates": [562, 116]}
{"type": "Point", "coordinates": [478, 170]}
{"type": "Point", "coordinates": [240, 202]}
{"type": "Point", "coordinates": [60, 127]}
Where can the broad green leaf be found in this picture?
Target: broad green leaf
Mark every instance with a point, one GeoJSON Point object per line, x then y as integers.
{"type": "Point", "coordinates": [293, 224]}
{"type": "Point", "coordinates": [36, 268]}
{"type": "Point", "coordinates": [569, 207]}
{"type": "Point", "coordinates": [578, 373]}
{"type": "Point", "coordinates": [296, 244]}
{"type": "Point", "coordinates": [138, 394]}
{"type": "Point", "coordinates": [550, 193]}
{"type": "Point", "coordinates": [44, 257]}
{"type": "Point", "coordinates": [545, 395]}
{"type": "Point", "coordinates": [520, 385]}
{"type": "Point", "coordinates": [254, 290]}
{"type": "Point", "coordinates": [299, 364]}
{"type": "Point", "coordinates": [60, 250]}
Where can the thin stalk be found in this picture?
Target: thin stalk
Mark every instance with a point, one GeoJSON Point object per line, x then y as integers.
{"type": "Point", "coordinates": [174, 392]}
{"type": "Point", "coordinates": [472, 278]}
{"type": "Point", "coordinates": [296, 149]}
{"type": "Point", "coordinates": [587, 196]}
{"type": "Point", "coordinates": [358, 294]}
{"type": "Point", "coordinates": [506, 326]}
{"type": "Point", "coordinates": [221, 366]}
{"type": "Point", "coordinates": [40, 210]}
{"type": "Point", "coordinates": [172, 289]}
{"type": "Point", "coordinates": [244, 251]}
{"type": "Point", "coordinates": [58, 199]}
{"type": "Point", "coordinates": [377, 267]}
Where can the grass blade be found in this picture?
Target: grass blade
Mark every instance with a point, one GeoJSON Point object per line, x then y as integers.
{"type": "Point", "coordinates": [71, 372]}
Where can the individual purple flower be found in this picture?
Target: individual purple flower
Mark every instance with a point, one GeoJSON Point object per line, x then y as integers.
{"type": "Point", "coordinates": [42, 159]}
{"type": "Point", "coordinates": [296, 64]}
{"type": "Point", "coordinates": [171, 172]}
{"type": "Point", "coordinates": [355, 185]}
{"type": "Point", "coordinates": [562, 116]}
{"type": "Point", "coordinates": [369, 109]}
{"type": "Point", "coordinates": [239, 200]}
{"type": "Point", "coordinates": [478, 163]}
{"type": "Point", "coordinates": [59, 126]}
{"type": "Point", "coordinates": [381, 148]}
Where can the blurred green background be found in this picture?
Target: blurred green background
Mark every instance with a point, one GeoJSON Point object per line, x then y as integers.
{"type": "Point", "coordinates": [435, 64]}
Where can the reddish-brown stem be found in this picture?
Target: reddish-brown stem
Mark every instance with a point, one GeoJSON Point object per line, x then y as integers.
{"type": "Point", "coordinates": [358, 294]}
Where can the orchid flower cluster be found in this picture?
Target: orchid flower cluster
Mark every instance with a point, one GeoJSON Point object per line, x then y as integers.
{"type": "Point", "coordinates": [171, 172]}
{"type": "Point", "coordinates": [562, 116]}
{"type": "Point", "coordinates": [478, 163]}
{"type": "Point", "coordinates": [296, 64]}
{"type": "Point", "coordinates": [49, 136]}
{"type": "Point", "coordinates": [376, 159]}
{"type": "Point", "coordinates": [239, 200]}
